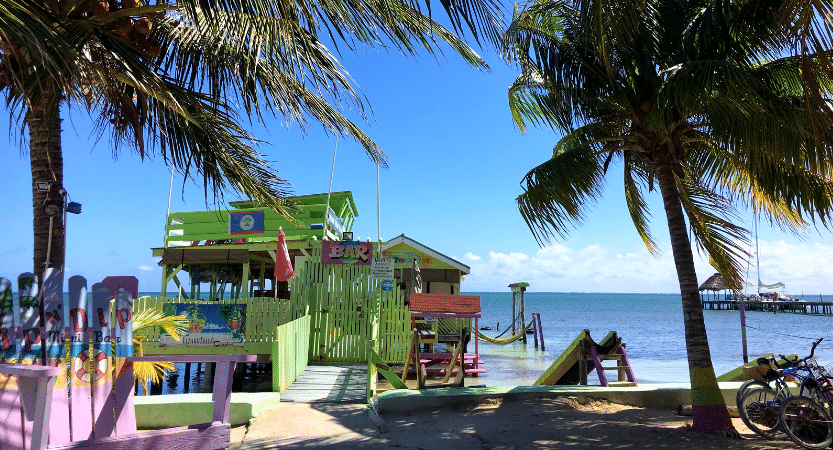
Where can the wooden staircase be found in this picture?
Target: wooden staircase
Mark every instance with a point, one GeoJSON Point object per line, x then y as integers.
{"type": "Point", "coordinates": [622, 367]}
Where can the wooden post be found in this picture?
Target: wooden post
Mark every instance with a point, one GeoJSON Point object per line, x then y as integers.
{"type": "Point", "coordinates": [55, 324]}
{"type": "Point", "coordinates": [186, 385]}
{"type": "Point", "coordinates": [582, 364]}
{"type": "Point", "coordinates": [476, 344]}
{"type": "Point", "coordinates": [541, 332]}
{"type": "Point", "coordinates": [100, 371]}
{"type": "Point", "coordinates": [742, 309]}
{"type": "Point", "coordinates": [80, 388]}
{"type": "Point", "coordinates": [523, 317]}
{"type": "Point", "coordinates": [535, 330]}
{"type": "Point", "coordinates": [410, 353]}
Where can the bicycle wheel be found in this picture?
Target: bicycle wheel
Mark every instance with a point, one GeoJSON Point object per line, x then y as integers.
{"type": "Point", "coordinates": [747, 386]}
{"type": "Point", "coordinates": [806, 422]}
{"type": "Point", "coordinates": [759, 408]}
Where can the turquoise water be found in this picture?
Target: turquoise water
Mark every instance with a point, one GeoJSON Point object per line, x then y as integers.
{"type": "Point", "coordinates": [651, 325]}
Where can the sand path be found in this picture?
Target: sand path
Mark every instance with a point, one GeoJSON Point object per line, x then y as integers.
{"type": "Point", "coordinates": [508, 424]}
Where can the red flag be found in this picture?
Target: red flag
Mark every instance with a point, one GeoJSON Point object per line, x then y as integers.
{"type": "Point", "coordinates": [283, 265]}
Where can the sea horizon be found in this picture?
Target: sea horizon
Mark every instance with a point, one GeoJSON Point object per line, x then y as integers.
{"type": "Point", "coordinates": [650, 325]}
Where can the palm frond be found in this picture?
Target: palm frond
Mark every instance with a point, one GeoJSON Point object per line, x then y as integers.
{"type": "Point", "coordinates": [556, 193]}
{"type": "Point", "coordinates": [637, 206]}
{"type": "Point", "coordinates": [374, 21]}
{"type": "Point", "coordinates": [712, 220]}
{"type": "Point", "coordinates": [150, 318]}
{"type": "Point", "coordinates": [145, 372]}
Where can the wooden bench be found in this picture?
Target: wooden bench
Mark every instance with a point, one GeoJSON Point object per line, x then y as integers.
{"type": "Point", "coordinates": [86, 401]}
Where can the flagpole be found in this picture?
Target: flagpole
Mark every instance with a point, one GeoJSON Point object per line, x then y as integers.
{"type": "Point", "coordinates": [168, 213]}
{"type": "Point", "coordinates": [378, 210]}
{"type": "Point", "coordinates": [757, 256]}
{"type": "Point", "coordinates": [329, 191]}
{"type": "Point", "coordinates": [167, 226]}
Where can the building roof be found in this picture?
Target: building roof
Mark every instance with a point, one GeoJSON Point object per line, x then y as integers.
{"type": "Point", "coordinates": [402, 239]}
{"type": "Point", "coordinates": [714, 283]}
{"type": "Point", "coordinates": [338, 200]}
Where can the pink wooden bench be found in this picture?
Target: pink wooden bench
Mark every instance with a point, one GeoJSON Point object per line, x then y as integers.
{"type": "Point", "coordinates": [86, 402]}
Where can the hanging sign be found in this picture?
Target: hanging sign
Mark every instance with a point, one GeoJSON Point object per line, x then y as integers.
{"type": "Point", "coordinates": [381, 269]}
{"type": "Point", "coordinates": [346, 252]}
{"type": "Point", "coordinates": [387, 286]}
{"type": "Point", "coordinates": [245, 222]}
{"type": "Point", "coordinates": [209, 325]}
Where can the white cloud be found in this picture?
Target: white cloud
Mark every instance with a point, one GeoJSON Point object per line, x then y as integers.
{"type": "Point", "coordinates": [805, 267]}
{"type": "Point", "coordinates": [471, 256]}
{"type": "Point", "coordinates": [593, 268]}
{"type": "Point", "coordinates": [146, 268]}
{"type": "Point", "coordinates": [503, 258]}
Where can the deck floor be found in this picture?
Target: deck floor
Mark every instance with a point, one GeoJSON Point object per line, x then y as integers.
{"type": "Point", "coordinates": [331, 383]}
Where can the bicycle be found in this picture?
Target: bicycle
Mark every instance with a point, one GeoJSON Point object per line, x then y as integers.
{"type": "Point", "coordinates": [759, 404]}
{"type": "Point", "coordinates": [806, 422]}
{"type": "Point", "coordinates": [807, 419]}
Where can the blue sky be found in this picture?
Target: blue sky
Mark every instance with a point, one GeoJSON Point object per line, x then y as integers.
{"type": "Point", "coordinates": [455, 158]}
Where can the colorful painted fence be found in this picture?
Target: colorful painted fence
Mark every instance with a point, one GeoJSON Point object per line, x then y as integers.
{"type": "Point", "coordinates": [290, 353]}
{"type": "Point", "coordinates": [95, 385]}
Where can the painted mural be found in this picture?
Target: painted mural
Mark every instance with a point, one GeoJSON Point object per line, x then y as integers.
{"type": "Point", "coordinates": [209, 325]}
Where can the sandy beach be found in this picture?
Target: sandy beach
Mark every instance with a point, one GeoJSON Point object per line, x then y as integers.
{"type": "Point", "coordinates": [507, 424]}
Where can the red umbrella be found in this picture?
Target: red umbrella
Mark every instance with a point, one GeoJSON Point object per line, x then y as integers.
{"type": "Point", "coordinates": [283, 265]}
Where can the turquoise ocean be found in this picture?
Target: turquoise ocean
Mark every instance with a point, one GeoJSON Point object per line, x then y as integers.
{"type": "Point", "coordinates": [651, 325]}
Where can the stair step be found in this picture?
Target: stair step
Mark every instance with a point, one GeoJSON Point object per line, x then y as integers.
{"type": "Point", "coordinates": [615, 367]}
{"type": "Point", "coordinates": [621, 384]}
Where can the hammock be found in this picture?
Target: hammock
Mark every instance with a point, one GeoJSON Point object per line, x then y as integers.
{"type": "Point", "coordinates": [508, 339]}
{"type": "Point", "coordinates": [507, 328]}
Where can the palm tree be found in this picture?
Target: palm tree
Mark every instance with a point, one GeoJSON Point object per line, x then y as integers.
{"type": "Point", "coordinates": [168, 78]}
{"type": "Point", "coordinates": [714, 103]}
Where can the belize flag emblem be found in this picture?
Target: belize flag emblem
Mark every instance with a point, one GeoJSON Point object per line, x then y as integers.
{"type": "Point", "coordinates": [245, 222]}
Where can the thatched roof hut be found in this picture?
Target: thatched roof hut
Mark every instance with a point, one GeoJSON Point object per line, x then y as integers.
{"type": "Point", "coordinates": [714, 283]}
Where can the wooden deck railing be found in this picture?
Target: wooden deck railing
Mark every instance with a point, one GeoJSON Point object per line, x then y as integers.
{"type": "Point", "coordinates": [290, 353]}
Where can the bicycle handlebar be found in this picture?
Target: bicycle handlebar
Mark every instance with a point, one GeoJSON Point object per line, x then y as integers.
{"type": "Point", "coordinates": [798, 361]}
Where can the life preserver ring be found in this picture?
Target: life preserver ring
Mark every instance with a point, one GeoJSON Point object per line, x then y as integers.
{"type": "Point", "coordinates": [80, 365]}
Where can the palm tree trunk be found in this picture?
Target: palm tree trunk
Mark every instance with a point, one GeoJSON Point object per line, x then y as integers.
{"type": "Point", "coordinates": [709, 411]}
{"type": "Point", "coordinates": [47, 165]}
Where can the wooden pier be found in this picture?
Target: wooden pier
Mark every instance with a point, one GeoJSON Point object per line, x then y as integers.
{"type": "Point", "coordinates": [816, 308]}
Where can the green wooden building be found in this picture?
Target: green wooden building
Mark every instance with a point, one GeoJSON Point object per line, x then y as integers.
{"type": "Point", "coordinates": [440, 274]}
{"type": "Point", "coordinates": [203, 246]}
{"type": "Point", "coordinates": [228, 257]}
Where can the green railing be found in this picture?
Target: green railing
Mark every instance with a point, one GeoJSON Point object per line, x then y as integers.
{"type": "Point", "coordinates": [290, 352]}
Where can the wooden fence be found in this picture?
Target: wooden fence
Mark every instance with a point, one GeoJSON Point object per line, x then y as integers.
{"type": "Point", "coordinates": [394, 328]}
{"type": "Point", "coordinates": [263, 316]}
{"type": "Point", "coordinates": [290, 353]}
{"type": "Point", "coordinates": [346, 305]}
